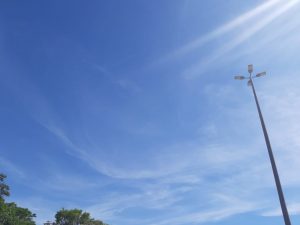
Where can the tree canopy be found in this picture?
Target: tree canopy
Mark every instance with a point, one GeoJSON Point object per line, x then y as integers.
{"type": "Point", "coordinates": [75, 217]}
{"type": "Point", "coordinates": [4, 188]}
{"type": "Point", "coordinates": [10, 213]}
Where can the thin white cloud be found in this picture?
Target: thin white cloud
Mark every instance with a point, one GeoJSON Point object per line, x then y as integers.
{"type": "Point", "coordinates": [7, 165]}
{"type": "Point", "coordinates": [67, 183]}
{"type": "Point", "coordinates": [44, 209]}
{"type": "Point", "coordinates": [222, 30]}
{"type": "Point", "coordinates": [197, 168]}
{"type": "Point", "coordinates": [244, 35]}
{"type": "Point", "coordinates": [175, 155]}
{"type": "Point", "coordinates": [152, 197]}
{"type": "Point", "coordinates": [244, 168]}
{"type": "Point", "coordinates": [294, 209]}
{"type": "Point", "coordinates": [210, 215]}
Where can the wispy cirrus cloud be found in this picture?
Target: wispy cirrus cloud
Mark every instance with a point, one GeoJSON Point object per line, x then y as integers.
{"type": "Point", "coordinates": [7, 165]}
{"type": "Point", "coordinates": [176, 177]}
{"type": "Point", "coordinates": [244, 33]}
{"type": "Point", "coordinates": [214, 172]}
{"type": "Point", "coordinates": [224, 29]}
{"type": "Point", "coordinates": [293, 208]}
{"type": "Point", "coordinates": [209, 216]}
{"type": "Point", "coordinates": [174, 154]}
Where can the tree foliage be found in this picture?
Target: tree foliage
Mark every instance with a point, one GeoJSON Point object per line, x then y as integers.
{"type": "Point", "coordinates": [75, 217]}
{"type": "Point", "coordinates": [10, 213]}
{"type": "Point", "coordinates": [4, 188]}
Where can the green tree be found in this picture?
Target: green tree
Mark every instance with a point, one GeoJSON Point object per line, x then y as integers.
{"type": "Point", "coordinates": [4, 188]}
{"type": "Point", "coordinates": [97, 222]}
{"type": "Point", "coordinates": [10, 213]}
{"type": "Point", "coordinates": [75, 217]}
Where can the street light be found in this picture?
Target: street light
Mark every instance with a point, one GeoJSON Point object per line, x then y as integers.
{"type": "Point", "coordinates": [239, 77]}
{"type": "Point", "coordinates": [271, 156]}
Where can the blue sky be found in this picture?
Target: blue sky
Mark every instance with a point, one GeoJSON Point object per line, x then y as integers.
{"type": "Point", "coordinates": [129, 110]}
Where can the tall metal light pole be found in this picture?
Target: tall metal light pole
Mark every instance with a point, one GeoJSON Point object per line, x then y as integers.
{"type": "Point", "coordinates": [274, 168]}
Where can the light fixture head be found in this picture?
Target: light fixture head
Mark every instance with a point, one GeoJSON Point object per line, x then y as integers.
{"type": "Point", "coordinates": [250, 68]}
{"type": "Point", "coordinates": [249, 83]}
{"type": "Point", "coordinates": [239, 77]}
{"type": "Point", "coordinates": [261, 74]}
